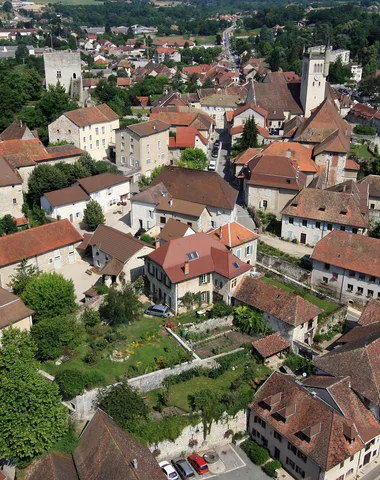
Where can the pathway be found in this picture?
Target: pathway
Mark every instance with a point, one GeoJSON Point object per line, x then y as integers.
{"type": "Point", "coordinates": [294, 249]}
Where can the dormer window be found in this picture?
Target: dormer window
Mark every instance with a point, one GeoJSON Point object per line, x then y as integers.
{"type": "Point", "coordinates": [322, 208]}
{"type": "Point", "coordinates": [312, 431]}
{"type": "Point", "coordinates": [273, 400]}
{"type": "Point", "coordinates": [288, 180]}
{"type": "Point", "coordinates": [287, 412]}
{"type": "Point", "coordinates": [344, 210]}
{"type": "Point", "coordinates": [350, 432]}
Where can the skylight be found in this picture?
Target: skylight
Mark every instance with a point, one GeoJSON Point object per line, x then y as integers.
{"type": "Point", "coordinates": [192, 255]}
{"type": "Point", "coordinates": [236, 265]}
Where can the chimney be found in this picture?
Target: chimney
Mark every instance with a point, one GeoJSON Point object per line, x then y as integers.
{"type": "Point", "coordinates": [288, 153]}
{"type": "Point", "coordinates": [186, 267]}
{"type": "Point", "coordinates": [157, 243]}
{"type": "Point", "coordinates": [171, 202]}
{"type": "Point", "coordinates": [134, 463]}
{"type": "Point", "coordinates": [220, 233]}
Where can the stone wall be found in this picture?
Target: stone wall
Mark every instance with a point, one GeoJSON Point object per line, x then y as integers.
{"type": "Point", "coordinates": [283, 268]}
{"type": "Point", "coordinates": [217, 436]}
{"type": "Point", "coordinates": [211, 324]}
{"type": "Point", "coordinates": [334, 318]}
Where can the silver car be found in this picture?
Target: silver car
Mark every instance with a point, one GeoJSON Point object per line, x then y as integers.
{"type": "Point", "coordinates": [183, 468]}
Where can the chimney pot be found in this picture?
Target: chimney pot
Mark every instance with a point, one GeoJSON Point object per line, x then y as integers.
{"type": "Point", "coordinates": [157, 243]}
{"type": "Point", "coordinates": [220, 233]}
{"type": "Point", "coordinates": [187, 267]}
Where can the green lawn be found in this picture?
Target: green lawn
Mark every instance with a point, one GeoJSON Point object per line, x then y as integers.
{"type": "Point", "coordinates": [247, 33]}
{"type": "Point", "coordinates": [202, 40]}
{"type": "Point", "coordinates": [72, 2]}
{"type": "Point", "coordinates": [139, 110]}
{"type": "Point", "coordinates": [360, 150]}
{"type": "Point", "coordinates": [327, 306]}
{"type": "Point", "coordinates": [148, 345]}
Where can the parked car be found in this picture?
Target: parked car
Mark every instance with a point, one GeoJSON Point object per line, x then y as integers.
{"type": "Point", "coordinates": [215, 153]}
{"type": "Point", "coordinates": [198, 463]}
{"type": "Point", "coordinates": [212, 165]}
{"type": "Point", "coordinates": [168, 470]}
{"type": "Point", "coordinates": [140, 232]}
{"type": "Point", "coordinates": [183, 468]}
{"type": "Point", "coordinates": [217, 144]}
{"type": "Point", "coordinates": [158, 311]}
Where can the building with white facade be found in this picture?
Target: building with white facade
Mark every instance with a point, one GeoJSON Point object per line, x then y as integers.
{"type": "Point", "coordinates": [91, 129]}
{"type": "Point", "coordinates": [347, 266]}
{"type": "Point", "coordinates": [107, 189]}
{"type": "Point", "coordinates": [66, 203]}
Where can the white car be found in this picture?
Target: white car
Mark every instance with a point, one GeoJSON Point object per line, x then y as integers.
{"type": "Point", "coordinates": [168, 470]}
{"type": "Point", "coordinates": [212, 165]}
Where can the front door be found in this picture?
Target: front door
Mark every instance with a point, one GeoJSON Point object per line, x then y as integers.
{"type": "Point", "coordinates": [367, 458]}
{"type": "Point", "coordinates": [276, 453]}
{"type": "Point", "coordinates": [303, 238]}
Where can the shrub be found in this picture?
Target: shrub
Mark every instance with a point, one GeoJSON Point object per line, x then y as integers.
{"type": "Point", "coordinates": [72, 382]}
{"type": "Point", "coordinates": [364, 130]}
{"type": "Point", "coordinates": [147, 239]}
{"type": "Point", "coordinates": [221, 309]}
{"type": "Point", "coordinates": [271, 467]}
{"type": "Point", "coordinates": [257, 454]}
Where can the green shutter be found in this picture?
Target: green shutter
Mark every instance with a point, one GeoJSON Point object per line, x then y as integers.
{"type": "Point", "coordinates": [208, 298]}
{"type": "Point", "coordinates": [200, 300]}
{"type": "Point", "coordinates": [208, 278]}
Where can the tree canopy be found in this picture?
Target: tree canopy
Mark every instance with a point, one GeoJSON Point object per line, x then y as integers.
{"type": "Point", "coordinates": [23, 275]}
{"type": "Point", "coordinates": [93, 215]}
{"type": "Point", "coordinates": [121, 306]}
{"type": "Point", "coordinates": [193, 158]}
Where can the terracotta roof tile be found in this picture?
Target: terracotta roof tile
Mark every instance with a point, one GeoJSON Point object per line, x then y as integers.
{"type": "Point", "coordinates": [328, 446]}
{"type": "Point", "coordinates": [351, 251]}
{"type": "Point", "coordinates": [175, 205]}
{"type": "Point", "coordinates": [206, 188]}
{"type": "Point", "coordinates": [123, 82]}
{"type": "Point", "coordinates": [212, 257]}
{"type": "Point", "coordinates": [287, 307]}
{"type": "Point", "coordinates": [246, 156]}
{"type": "Point", "coordinates": [271, 345]}
{"type": "Point", "coordinates": [327, 206]}
{"type": "Point", "coordinates": [186, 137]}
{"type": "Point", "coordinates": [92, 115]}
{"type": "Point", "coordinates": [12, 309]}
{"type": "Point", "coordinates": [36, 241]}
{"type": "Point", "coordinates": [173, 229]}
{"type": "Point", "coordinates": [278, 98]}
{"type": "Point", "coordinates": [300, 154]}
{"type": "Point", "coordinates": [371, 313]}
{"type": "Point", "coordinates": [233, 234]}
{"type": "Point", "coordinates": [8, 176]}
{"type": "Point", "coordinates": [55, 466]}
{"type": "Point", "coordinates": [351, 165]}
{"type": "Point", "coordinates": [15, 131]}
{"type": "Point", "coordinates": [145, 129]}
{"type": "Point", "coordinates": [373, 181]}
{"type": "Point", "coordinates": [101, 181]}
{"type": "Point", "coordinates": [121, 246]}
{"type": "Point", "coordinates": [66, 195]}
{"type": "Point", "coordinates": [250, 106]}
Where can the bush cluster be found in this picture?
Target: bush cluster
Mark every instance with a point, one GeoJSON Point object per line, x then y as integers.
{"type": "Point", "coordinates": [257, 454]}
{"type": "Point", "coordinates": [271, 467]}
{"type": "Point", "coordinates": [72, 382]}
{"type": "Point", "coordinates": [221, 309]}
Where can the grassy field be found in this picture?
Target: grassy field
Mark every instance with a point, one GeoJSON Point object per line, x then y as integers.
{"type": "Point", "coordinates": [327, 306]}
{"type": "Point", "coordinates": [147, 343]}
{"type": "Point", "coordinates": [71, 2]}
{"type": "Point", "coordinates": [360, 150]}
{"type": "Point", "coordinates": [201, 40]}
{"type": "Point", "coordinates": [246, 33]}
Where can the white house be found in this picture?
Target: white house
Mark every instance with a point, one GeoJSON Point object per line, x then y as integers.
{"type": "Point", "coordinates": [91, 129]}
{"type": "Point", "coordinates": [67, 203]}
{"type": "Point", "coordinates": [107, 189]}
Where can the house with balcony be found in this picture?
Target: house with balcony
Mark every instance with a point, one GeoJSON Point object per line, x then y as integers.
{"type": "Point", "coordinates": [347, 266]}
{"type": "Point", "coordinates": [239, 240]}
{"type": "Point", "coordinates": [293, 317]}
{"type": "Point", "coordinates": [194, 263]}
{"type": "Point", "coordinates": [317, 428]}
{"type": "Point", "coordinates": [313, 213]}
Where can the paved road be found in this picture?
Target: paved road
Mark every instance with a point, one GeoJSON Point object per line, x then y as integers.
{"type": "Point", "coordinates": [250, 471]}
{"type": "Point", "coordinates": [374, 474]}
{"type": "Point", "coordinates": [296, 250]}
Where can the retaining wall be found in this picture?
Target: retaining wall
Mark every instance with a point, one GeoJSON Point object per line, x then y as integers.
{"type": "Point", "coordinates": [284, 268]}
{"type": "Point", "coordinates": [211, 324]}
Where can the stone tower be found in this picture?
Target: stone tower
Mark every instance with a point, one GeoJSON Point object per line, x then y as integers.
{"type": "Point", "coordinates": [315, 70]}
{"type": "Point", "coordinates": [64, 67]}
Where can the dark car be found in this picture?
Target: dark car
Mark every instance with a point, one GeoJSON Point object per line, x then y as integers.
{"type": "Point", "coordinates": [140, 232]}
{"type": "Point", "coordinates": [215, 153]}
{"type": "Point", "coordinates": [183, 468]}
{"type": "Point", "coordinates": [217, 143]}
{"type": "Point", "coordinates": [158, 311]}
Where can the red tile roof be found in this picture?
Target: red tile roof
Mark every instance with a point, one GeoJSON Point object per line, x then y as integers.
{"type": "Point", "coordinates": [12, 309]}
{"type": "Point", "coordinates": [329, 445]}
{"type": "Point", "coordinates": [123, 81]}
{"type": "Point", "coordinates": [186, 137]}
{"type": "Point", "coordinates": [351, 165]}
{"type": "Point", "coordinates": [250, 106]}
{"type": "Point", "coordinates": [212, 257]}
{"type": "Point", "coordinates": [36, 241]}
{"type": "Point", "coordinates": [151, 127]}
{"type": "Point", "coordinates": [277, 98]}
{"type": "Point", "coordinates": [264, 132]}
{"type": "Point", "coordinates": [271, 345]}
{"type": "Point", "coordinates": [92, 115]}
{"type": "Point", "coordinates": [371, 313]}
{"type": "Point", "coordinates": [246, 156]}
{"type": "Point", "coordinates": [287, 307]}
{"type": "Point", "coordinates": [373, 182]}
{"type": "Point", "coordinates": [350, 251]}
{"type": "Point", "coordinates": [165, 51]}
{"type": "Point", "coordinates": [363, 111]}
{"type": "Point", "coordinates": [301, 155]}
{"type": "Point", "coordinates": [23, 152]}
{"type": "Point", "coordinates": [143, 100]}
{"type": "Point", "coordinates": [8, 176]}
{"type": "Point", "coordinates": [233, 234]}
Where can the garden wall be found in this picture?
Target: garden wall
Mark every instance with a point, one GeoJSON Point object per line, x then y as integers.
{"type": "Point", "coordinates": [217, 436]}
{"type": "Point", "coordinates": [84, 404]}
{"type": "Point", "coordinates": [283, 268]}
{"type": "Point", "coordinates": [332, 319]}
{"type": "Point", "coordinates": [211, 324]}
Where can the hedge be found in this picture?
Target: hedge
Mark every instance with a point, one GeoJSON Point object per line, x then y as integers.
{"type": "Point", "coordinates": [72, 382]}
{"type": "Point", "coordinates": [271, 467]}
{"type": "Point", "coordinates": [257, 454]}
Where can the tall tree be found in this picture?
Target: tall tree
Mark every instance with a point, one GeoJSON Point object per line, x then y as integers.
{"type": "Point", "coordinates": [194, 158]}
{"type": "Point", "coordinates": [122, 306]}
{"type": "Point", "coordinates": [32, 418]}
{"type": "Point", "coordinates": [54, 102]}
{"type": "Point", "coordinates": [23, 275]}
{"type": "Point", "coordinates": [93, 215]}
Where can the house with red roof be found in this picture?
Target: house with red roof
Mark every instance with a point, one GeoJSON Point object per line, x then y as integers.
{"type": "Point", "coordinates": [195, 263]}
{"type": "Point", "coordinates": [48, 247]}
{"type": "Point", "coordinates": [91, 129]}
{"type": "Point", "coordinates": [317, 428]}
{"type": "Point", "coordinates": [236, 119]}
{"type": "Point", "coordinates": [186, 137]}
{"type": "Point", "coordinates": [347, 266]}
{"type": "Point", "coordinates": [163, 54]}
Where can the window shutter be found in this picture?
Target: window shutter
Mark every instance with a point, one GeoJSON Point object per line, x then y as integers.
{"type": "Point", "coordinates": [200, 280]}
{"type": "Point", "coordinates": [200, 300]}
{"type": "Point", "coordinates": [208, 278]}
{"type": "Point", "coordinates": [208, 298]}
{"type": "Point", "coordinates": [287, 220]}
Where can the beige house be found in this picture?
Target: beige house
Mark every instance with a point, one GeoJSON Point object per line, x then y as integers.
{"type": "Point", "coordinates": [373, 184]}
{"type": "Point", "coordinates": [13, 312]}
{"type": "Point", "coordinates": [143, 147]}
{"type": "Point", "coordinates": [317, 429]}
{"type": "Point", "coordinates": [154, 206]}
{"type": "Point", "coordinates": [11, 197]}
{"type": "Point", "coordinates": [91, 129]}
{"type": "Point", "coordinates": [295, 319]}
{"type": "Point", "coordinates": [239, 240]}
{"type": "Point", "coordinates": [195, 263]}
{"type": "Point", "coordinates": [118, 256]}
{"type": "Point", "coordinates": [48, 247]}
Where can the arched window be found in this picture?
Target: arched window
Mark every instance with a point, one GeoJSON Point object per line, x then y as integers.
{"type": "Point", "coordinates": [350, 472]}
{"type": "Point", "coordinates": [74, 75]}
{"type": "Point", "coordinates": [315, 68]}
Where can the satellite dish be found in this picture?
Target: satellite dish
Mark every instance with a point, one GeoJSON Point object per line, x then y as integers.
{"type": "Point", "coordinates": [304, 374]}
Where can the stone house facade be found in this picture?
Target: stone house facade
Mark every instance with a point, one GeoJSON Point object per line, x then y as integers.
{"type": "Point", "coordinates": [63, 68]}
{"type": "Point", "coordinates": [14, 312]}
{"type": "Point", "coordinates": [91, 129]}
{"type": "Point", "coordinates": [143, 147]}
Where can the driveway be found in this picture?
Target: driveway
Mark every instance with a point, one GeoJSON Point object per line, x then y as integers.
{"type": "Point", "coordinates": [77, 273]}
{"type": "Point", "coordinates": [117, 217]}
{"type": "Point", "coordinates": [294, 249]}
